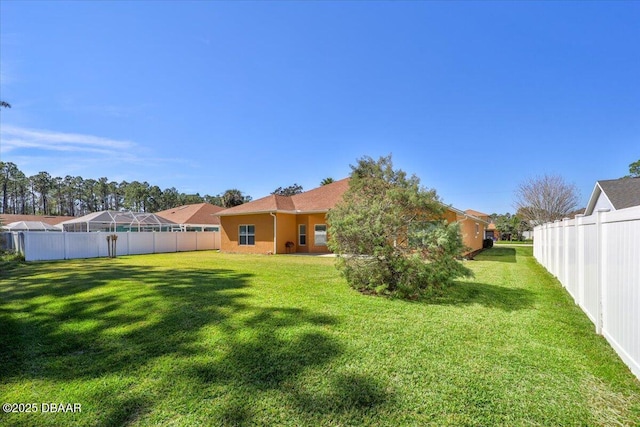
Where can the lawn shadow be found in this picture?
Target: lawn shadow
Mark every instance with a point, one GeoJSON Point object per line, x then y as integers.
{"type": "Point", "coordinates": [350, 394]}
{"type": "Point", "coordinates": [270, 347]}
{"type": "Point", "coordinates": [487, 295]}
{"type": "Point", "coordinates": [108, 318]}
{"type": "Point", "coordinates": [271, 350]}
{"type": "Point", "coordinates": [498, 254]}
{"type": "Point", "coordinates": [90, 323]}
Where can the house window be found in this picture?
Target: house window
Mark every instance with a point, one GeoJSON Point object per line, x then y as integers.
{"type": "Point", "coordinates": [247, 235]}
{"type": "Point", "coordinates": [302, 235]}
{"type": "Point", "coordinates": [477, 228]}
{"type": "Point", "coordinates": [320, 235]}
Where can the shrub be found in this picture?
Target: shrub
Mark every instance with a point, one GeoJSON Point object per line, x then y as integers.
{"type": "Point", "coordinates": [388, 234]}
{"type": "Point", "coordinates": [487, 243]}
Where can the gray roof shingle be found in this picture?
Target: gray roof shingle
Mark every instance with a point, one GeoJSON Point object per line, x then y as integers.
{"type": "Point", "coordinates": [622, 193]}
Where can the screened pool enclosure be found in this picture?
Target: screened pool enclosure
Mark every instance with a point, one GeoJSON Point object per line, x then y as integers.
{"type": "Point", "coordinates": [116, 221]}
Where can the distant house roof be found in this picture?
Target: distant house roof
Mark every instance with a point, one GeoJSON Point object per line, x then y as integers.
{"type": "Point", "coordinates": [462, 215]}
{"type": "Point", "coordinates": [620, 193]}
{"type": "Point", "coordinates": [318, 200]}
{"type": "Point", "coordinates": [476, 213]}
{"type": "Point", "coordinates": [47, 219]}
{"type": "Point", "coordinates": [199, 213]}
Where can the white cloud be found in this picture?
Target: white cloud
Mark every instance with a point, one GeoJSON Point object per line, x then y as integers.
{"type": "Point", "coordinates": [13, 137]}
{"type": "Point", "coordinates": [89, 156]}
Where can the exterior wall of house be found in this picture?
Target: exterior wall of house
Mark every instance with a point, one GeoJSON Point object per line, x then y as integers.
{"type": "Point", "coordinates": [472, 233]}
{"type": "Point", "coordinates": [310, 221]}
{"type": "Point", "coordinates": [286, 226]}
{"type": "Point", "coordinates": [230, 226]}
{"type": "Point", "coordinates": [602, 203]}
{"type": "Point", "coordinates": [287, 231]}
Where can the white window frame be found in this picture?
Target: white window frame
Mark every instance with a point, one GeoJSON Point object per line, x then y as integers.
{"type": "Point", "coordinates": [300, 234]}
{"type": "Point", "coordinates": [321, 234]}
{"type": "Point", "coordinates": [247, 235]}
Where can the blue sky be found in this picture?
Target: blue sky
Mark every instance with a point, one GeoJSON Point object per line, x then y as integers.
{"type": "Point", "coordinates": [472, 97]}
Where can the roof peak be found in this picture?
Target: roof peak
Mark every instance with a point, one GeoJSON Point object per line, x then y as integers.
{"type": "Point", "coordinates": [319, 199]}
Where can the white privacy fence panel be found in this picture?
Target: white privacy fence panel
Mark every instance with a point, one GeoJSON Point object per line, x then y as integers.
{"type": "Point", "coordinates": [621, 269]}
{"type": "Point", "coordinates": [142, 244]}
{"type": "Point", "coordinates": [84, 245]}
{"type": "Point", "coordinates": [165, 242]}
{"type": "Point", "coordinates": [207, 241]}
{"type": "Point", "coordinates": [186, 241]}
{"type": "Point", "coordinates": [43, 246]}
{"type": "Point", "coordinates": [597, 259]}
{"type": "Point", "coordinates": [589, 265]}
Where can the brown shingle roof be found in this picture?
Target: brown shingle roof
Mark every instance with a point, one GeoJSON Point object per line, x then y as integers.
{"type": "Point", "coordinates": [199, 213]}
{"type": "Point", "coordinates": [47, 219]}
{"type": "Point", "coordinates": [319, 199]}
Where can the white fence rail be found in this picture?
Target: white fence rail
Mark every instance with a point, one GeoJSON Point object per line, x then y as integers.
{"type": "Point", "coordinates": [44, 246]}
{"type": "Point", "coordinates": [597, 259]}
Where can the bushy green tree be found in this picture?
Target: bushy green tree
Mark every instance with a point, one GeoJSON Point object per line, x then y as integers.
{"type": "Point", "coordinates": [234, 197]}
{"type": "Point", "coordinates": [288, 191]}
{"type": "Point", "coordinates": [389, 235]}
{"type": "Point", "coordinates": [634, 169]}
{"type": "Point", "coordinates": [509, 226]}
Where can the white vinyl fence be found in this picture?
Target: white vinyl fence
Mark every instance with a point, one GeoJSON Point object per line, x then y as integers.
{"type": "Point", "coordinates": [597, 259]}
{"type": "Point", "coordinates": [43, 246]}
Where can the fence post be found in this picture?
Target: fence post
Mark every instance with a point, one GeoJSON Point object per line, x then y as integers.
{"type": "Point", "coordinates": [579, 261]}
{"type": "Point", "coordinates": [600, 269]}
{"type": "Point", "coordinates": [565, 244]}
{"type": "Point", "coordinates": [547, 246]}
{"type": "Point", "coordinates": [545, 250]}
{"type": "Point", "coordinates": [556, 250]}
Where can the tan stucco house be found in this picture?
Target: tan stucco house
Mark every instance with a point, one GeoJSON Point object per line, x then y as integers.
{"type": "Point", "coordinates": [281, 224]}
{"type": "Point", "coordinates": [298, 224]}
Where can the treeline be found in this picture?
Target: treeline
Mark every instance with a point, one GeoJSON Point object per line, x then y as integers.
{"type": "Point", "coordinates": [43, 194]}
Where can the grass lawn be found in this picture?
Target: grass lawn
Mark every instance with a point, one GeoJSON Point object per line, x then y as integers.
{"type": "Point", "coordinates": [203, 338]}
{"type": "Point", "coordinates": [511, 243]}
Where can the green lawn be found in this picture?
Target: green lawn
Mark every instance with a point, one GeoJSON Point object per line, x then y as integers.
{"type": "Point", "coordinates": [511, 243]}
{"type": "Point", "coordinates": [204, 338]}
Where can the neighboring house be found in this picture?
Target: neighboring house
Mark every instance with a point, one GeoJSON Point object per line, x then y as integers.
{"type": "Point", "coordinates": [474, 228]}
{"type": "Point", "coordinates": [47, 219]}
{"type": "Point", "coordinates": [483, 216]}
{"type": "Point", "coordinates": [298, 224]}
{"type": "Point", "coordinates": [492, 232]}
{"type": "Point", "coordinates": [196, 217]}
{"type": "Point", "coordinates": [614, 194]}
